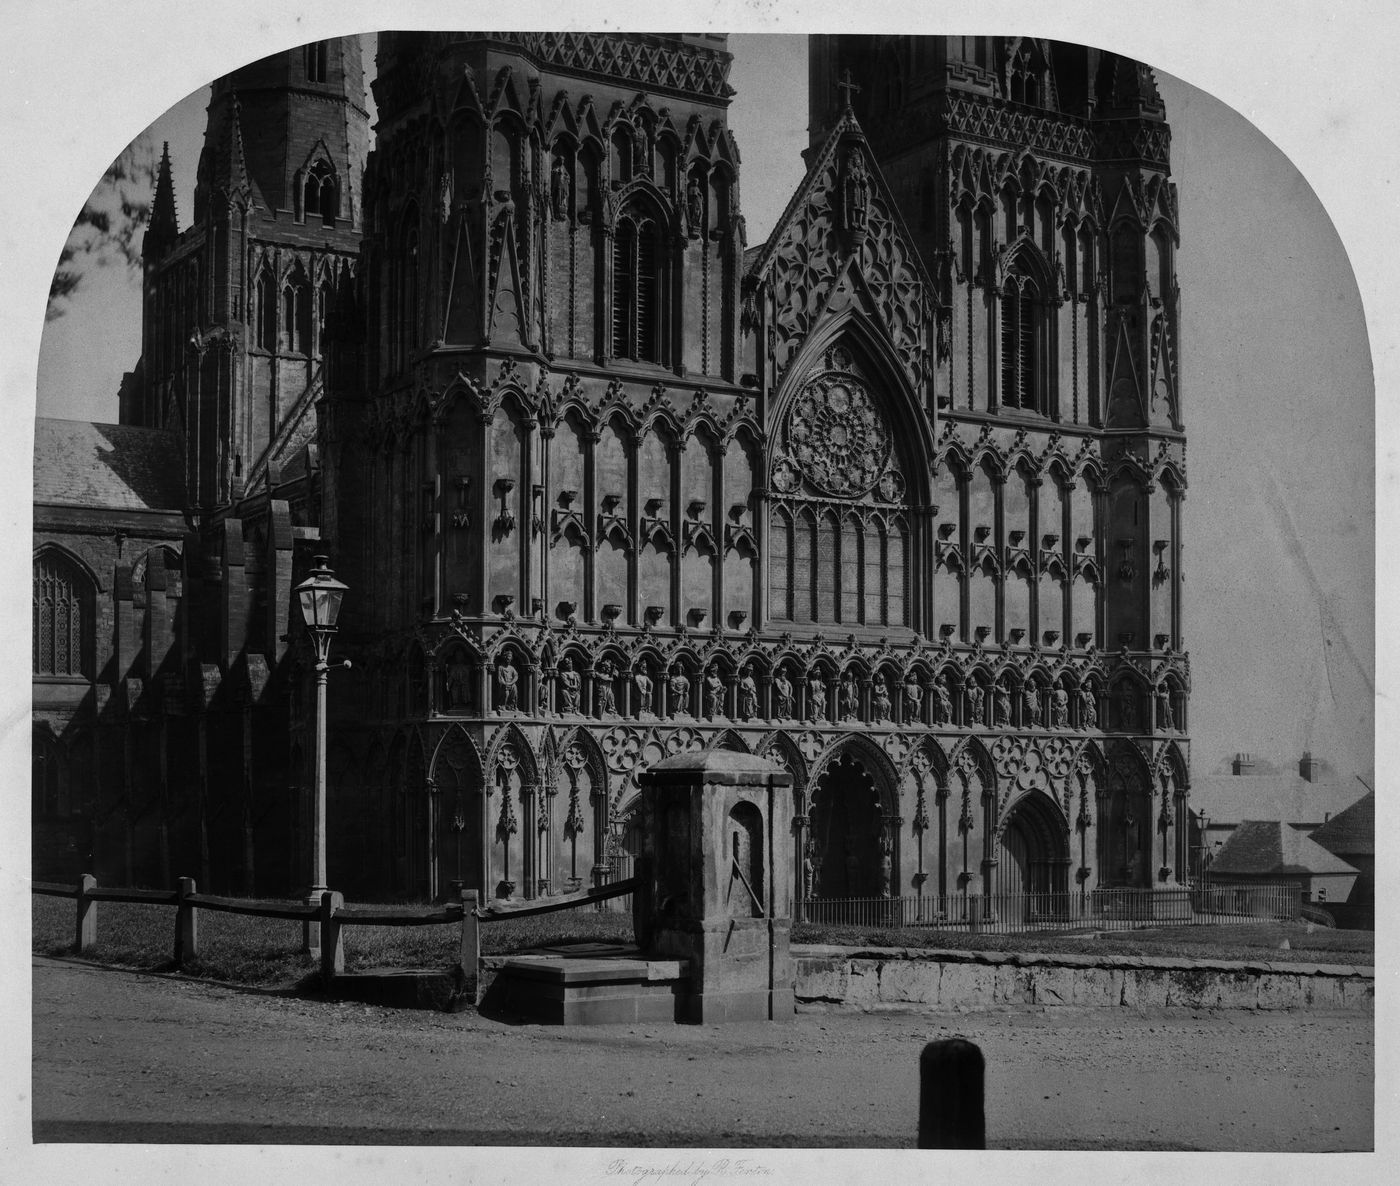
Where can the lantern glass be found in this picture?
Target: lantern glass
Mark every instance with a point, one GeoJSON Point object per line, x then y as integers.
{"type": "Point", "coordinates": [320, 596]}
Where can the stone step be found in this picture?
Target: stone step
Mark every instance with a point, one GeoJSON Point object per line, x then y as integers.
{"type": "Point", "coordinates": [586, 989]}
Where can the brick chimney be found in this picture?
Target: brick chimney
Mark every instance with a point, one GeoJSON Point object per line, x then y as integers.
{"type": "Point", "coordinates": [1309, 767]}
{"type": "Point", "coordinates": [1244, 763]}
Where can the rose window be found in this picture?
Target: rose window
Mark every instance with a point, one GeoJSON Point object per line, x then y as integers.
{"type": "Point", "coordinates": [837, 438]}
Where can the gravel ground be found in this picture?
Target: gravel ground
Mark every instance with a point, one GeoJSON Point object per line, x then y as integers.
{"type": "Point", "coordinates": [122, 1056]}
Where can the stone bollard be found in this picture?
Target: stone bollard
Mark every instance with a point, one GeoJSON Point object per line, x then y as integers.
{"type": "Point", "coordinates": [186, 923]}
{"type": "Point", "coordinates": [469, 956]}
{"type": "Point", "coordinates": [716, 882]}
{"type": "Point", "coordinates": [951, 1110]}
{"type": "Point", "coordinates": [332, 944]}
{"type": "Point", "coordinates": [86, 937]}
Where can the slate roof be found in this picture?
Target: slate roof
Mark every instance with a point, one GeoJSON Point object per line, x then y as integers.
{"type": "Point", "coordinates": [107, 466]}
{"type": "Point", "coordinates": [1352, 831]}
{"type": "Point", "coordinates": [1289, 797]}
{"type": "Point", "coordinates": [1272, 847]}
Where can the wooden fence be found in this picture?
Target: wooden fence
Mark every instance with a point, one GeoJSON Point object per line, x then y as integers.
{"type": "Point", "coordinates": [324, 920]}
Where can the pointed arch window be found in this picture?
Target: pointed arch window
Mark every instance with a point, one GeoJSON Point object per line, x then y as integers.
{"type": "Point", "coordinates": [1024, 335]}
{"type": "Point", "coordinates": [316, 62]}
{"type": "Point", "coordinates": [64, 603]}
{"type": "Point", "coordinates": [320, 198]}
{"type": "Point", "coordinates": [296, 316]}
{"type": "Point", "coordinates": [266, 311]}
{"type": "Point", "coordinates": [636, 313]}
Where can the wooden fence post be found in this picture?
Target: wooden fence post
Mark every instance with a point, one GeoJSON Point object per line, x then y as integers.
{"type": "Point", "coordinates": [186, 923]}
{"type": "Point", "coordinates": [951, 1111]}
{"type": "Point", "coordinates": [85, 935]}
{"type": "Point", "coordinates": [470, 956]}
{"type": "Point", "coordinates": [332, 947]}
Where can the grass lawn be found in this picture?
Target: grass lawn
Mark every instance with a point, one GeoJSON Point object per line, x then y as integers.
{"type": "Point", "coordinates": [265, 952]}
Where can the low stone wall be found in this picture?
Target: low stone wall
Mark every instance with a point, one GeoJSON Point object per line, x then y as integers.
{"type": "Point", "coordinates": [871, 977]}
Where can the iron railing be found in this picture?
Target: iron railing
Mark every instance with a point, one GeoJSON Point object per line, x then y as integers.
{"type": "Point", "coordinates": [1092, 910]}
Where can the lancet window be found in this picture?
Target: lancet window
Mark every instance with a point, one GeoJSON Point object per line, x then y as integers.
{"type": "Point", "coordinates": [636, 319]}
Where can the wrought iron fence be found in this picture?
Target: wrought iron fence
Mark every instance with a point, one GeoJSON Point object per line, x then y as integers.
{"type": "Point", "coordinates": [1093, 910]}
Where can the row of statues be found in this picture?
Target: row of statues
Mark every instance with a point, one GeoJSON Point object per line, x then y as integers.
{"type": "Point", "coordinates": [713, 688]}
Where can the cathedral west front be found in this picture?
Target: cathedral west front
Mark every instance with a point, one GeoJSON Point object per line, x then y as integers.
{"type": "Point", "coordinates": [892, 498]}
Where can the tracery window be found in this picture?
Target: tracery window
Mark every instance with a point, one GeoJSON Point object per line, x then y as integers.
{"type": "Point", "coordinates": [636, 328]}
{"type": "Point", "coordinates": [266, 312]}
{"type": "Point", "coordinates": [839, 531]}
{"type": "Point", "coordinates": [296, 316]}
{"type": "Point", "coordinates": [319, 197]}
{"type": "Point", "coordinates": [63, 617]}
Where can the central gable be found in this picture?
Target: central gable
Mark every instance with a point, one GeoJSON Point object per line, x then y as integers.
{"type": "Point", "coordinates": [843, 229]}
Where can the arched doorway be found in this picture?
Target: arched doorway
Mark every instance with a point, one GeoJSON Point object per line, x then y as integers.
{"type": "Point", "coordinates": [849, 849]}
{"type": "Point", "coordinates": [1032, 859]}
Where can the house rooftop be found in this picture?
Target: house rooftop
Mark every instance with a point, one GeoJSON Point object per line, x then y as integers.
{"type": "Point", "coordinates": [1272, 848]}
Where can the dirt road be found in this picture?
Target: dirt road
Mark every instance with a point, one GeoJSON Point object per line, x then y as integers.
{"type": "Point", "coordinates": [127, 1057]}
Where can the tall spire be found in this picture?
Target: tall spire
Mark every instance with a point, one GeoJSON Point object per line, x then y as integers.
{"type": "Point", "coordinates": [163, 228]}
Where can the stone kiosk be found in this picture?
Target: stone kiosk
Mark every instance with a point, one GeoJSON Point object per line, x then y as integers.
{"type": "Point", "coordinates": [716, 882]}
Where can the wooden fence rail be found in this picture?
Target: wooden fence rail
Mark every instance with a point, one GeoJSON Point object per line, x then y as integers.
{"type": "Point", "coordinates": [326, 918]}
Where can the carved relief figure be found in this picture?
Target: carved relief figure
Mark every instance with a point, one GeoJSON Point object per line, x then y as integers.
{"type": "Point", "coordinates": [1088, 708]}
{"type": "Point", "coordinates": [748, 694]}
{"type": "Point", "coordinates": [506, 679]}
{"type": "Point", "coordinates": [816, 697]}
{"type": "Point", "coordinates": [559, 189]}
{"type": "Point", "coordinates": [943, 708]}
{"type": "Point", "coordinates": [808, 873]}
{"type": "Point", "coordinates": [782, 694]}
{"type": "Point", "coordinates": [570, 687]}
{"type": "Point", "coordinates": [913, 697]}
{"type": "Point", "coordinates": [1059, 708]}
{"type": "Point", "coordinates": [886, 865]}
{"type": "Point", "coordinates": [694, 207]}
{"type": "Point", "coordinates": [850, 697]}
{"type": "Point", "coordinates": [714, 693]}
{"type": "Point", "coordinates": [603, 676]}
{"type": "Point", "coordinates": [1127, 708]}
{"type": "Point", "coordinates": [976, 698]}
{"type": "Point", "coordinates": [1001, 705]}
{"type": "Point", "coordinates": [1030, 704]}
{"type": "Point", "coordinates": [458, 682]}
{"type": "Point", "coordinates": [679, 688]}
{"type": "Point", "coordinates": [856, 195]}
{"type": "Point", "coordinates": [1164, 707]}
{"type": "Point", "coordinates": [881, 699]}
{"type": "Point", "coordinates": [643, 683]}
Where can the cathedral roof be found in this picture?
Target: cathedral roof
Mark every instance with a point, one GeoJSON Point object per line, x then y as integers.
{"type": "Point", "coordinates": [1269, 847]}
{"type": "Point", "coordinates": [1350, 832]}
{"type": "Point", "coordinates": [107, 466]}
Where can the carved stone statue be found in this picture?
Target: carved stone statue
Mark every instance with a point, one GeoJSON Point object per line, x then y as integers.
{"type": "Point", "coordinates": [748, 695]}
{"type": "Point", "coordinates": [714, 693]}
{"type": "Point", "coordinates": [1088, 708]}
{"type": "Point", "coordinates": [1127, 709]}
{"type": "Point", "coordinates": [1059, 708]}
{"type": "Point", "coordinates": [559, 189]}
{"type": "Point", "coordinates": [603, 676]}
{"type": "Point", "coordinates": [782, 696]}
{"type": "Point", "coordinates": [506, 679]}
{"type": "Point", "coordinates": [694, 207]}
{"type": "Point", "coordinates": [1165, 719]}
{"type": "Point", "coordinates": [816, 697]}
{"type": "Point", "coordinates": [641, 680]}
{"type": "Point", "coordinates": [458, 682]}
{"type": "Point", "coordinates": [856, 193]}
{"type": "Point", "coordinates": [886, 866]}
{"type": "Point", "coordinates": [570, 687]}
{"type": "Point", "coordinates": [913, 697]}
{"type": "Point", "coordinates": [880, 699]}
{"type": "Point", "coordinates": [943, 708]}
{"type": "Point", "coordinates": [807, 872]}
{"type": "Point", "coordinates": [976, 697]}
{"type": "Point", "coordinates": [850, 698]}
{"type": "Point", "coordinates": [679, 688]}
{"type": "Point", "coordinates": [1001, 707]}
{"type": "Point", "coordinates": [1030, 704]}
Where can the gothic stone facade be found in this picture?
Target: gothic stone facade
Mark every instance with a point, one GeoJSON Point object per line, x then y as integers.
{"type": "Point", "coordinates": [892, 498]}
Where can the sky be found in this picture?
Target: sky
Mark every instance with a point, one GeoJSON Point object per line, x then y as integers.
{"type": "Point", "coordinates": [1278, 614]}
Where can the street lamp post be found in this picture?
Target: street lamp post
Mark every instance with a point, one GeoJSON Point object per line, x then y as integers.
{"type": "Point", "coordinates": [320, 596]}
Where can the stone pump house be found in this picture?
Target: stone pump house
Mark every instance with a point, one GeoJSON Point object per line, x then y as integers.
{"type": "Point", "coordinates": [891, 499]}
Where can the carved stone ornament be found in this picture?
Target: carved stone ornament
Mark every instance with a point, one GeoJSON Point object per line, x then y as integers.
{"type": "Point", "coordinates": [837, 438]}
